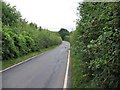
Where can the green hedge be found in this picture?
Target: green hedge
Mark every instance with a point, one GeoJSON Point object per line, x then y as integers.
{"type": "Point", "coordinates": [96, 43]}
{"type": "Point", "coordinates": [20, 37]}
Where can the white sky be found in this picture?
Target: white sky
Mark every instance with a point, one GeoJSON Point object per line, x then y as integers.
{"type": "Point", "coordinates": [50, 14]}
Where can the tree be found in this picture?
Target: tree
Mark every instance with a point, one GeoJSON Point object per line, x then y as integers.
{"type": "Point", "coordinates": [34, 25]}
{"type": "Point", "coordinates": [63, 32]}
{"type": "Point", "coordinates": [10, 15]}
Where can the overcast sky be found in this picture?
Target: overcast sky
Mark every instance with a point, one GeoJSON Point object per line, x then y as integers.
{"type": "Point", "coordinates": [50, 14]}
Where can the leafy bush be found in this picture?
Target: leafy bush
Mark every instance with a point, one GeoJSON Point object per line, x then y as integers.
{"type": "Point", "coordinates": [96, 42]}
{"type": "Point", "coordinates": [20, 38]}
{"type": "Point", "coordinates": [67, 38]}
{"type": "Point", "coordinates": [9, 49]}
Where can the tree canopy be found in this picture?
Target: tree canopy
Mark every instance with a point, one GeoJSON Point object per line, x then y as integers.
{"type": "Point", "coordinates": [63, 32]}
{"type": "Point", "coordinates": [20, 37]}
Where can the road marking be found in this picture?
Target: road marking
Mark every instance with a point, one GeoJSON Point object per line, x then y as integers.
{"type": "Point", "coordinates": [20, 63]}
{"type": "Point", "coordinates": [66, 74]}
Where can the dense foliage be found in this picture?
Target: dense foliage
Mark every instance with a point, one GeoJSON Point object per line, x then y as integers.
{"type": "Point", "coordinates": [20, 37]}
{"type": "Point", "coordinates": [96, 45]}
{"type": "Point", "coordinates": [64, 33]}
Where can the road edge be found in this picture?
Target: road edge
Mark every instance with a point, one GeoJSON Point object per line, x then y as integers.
{"type": "Point", "coordinates": [25, 61]}
{"type": "Point", "coordinates": [67, 69]}
{"type": "Point", "coordinates": [17, 64]}
{"type": "Point", "coordinates": [20, 63]}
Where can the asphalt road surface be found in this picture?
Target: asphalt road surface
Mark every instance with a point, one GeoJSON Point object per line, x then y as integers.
{"type": "Point", "coordinates": [45, 71]}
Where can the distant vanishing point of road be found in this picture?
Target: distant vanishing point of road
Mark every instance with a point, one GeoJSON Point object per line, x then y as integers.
{"type": "Point", "coordinates": [45, 71]}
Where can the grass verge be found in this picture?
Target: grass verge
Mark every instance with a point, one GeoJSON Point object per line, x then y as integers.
{"type": "Point", "coordinates": [76, 72]}
{"type": "Point", "coordinates": [79, 77]}
{"type": "Point", "coordinates": [8, 63]}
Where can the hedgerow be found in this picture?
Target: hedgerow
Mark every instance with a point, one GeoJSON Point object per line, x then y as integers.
{"type": "Point", "coordinates": [20, 37]}
{"type": "Point", "coordinates": [96, 44]}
